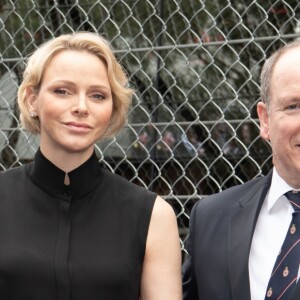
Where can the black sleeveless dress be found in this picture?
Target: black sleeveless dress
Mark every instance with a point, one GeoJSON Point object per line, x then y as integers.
{"type": "Point", "coordinates": [84, 241]}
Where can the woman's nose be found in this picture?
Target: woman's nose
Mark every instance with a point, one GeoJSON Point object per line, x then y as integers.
{"type": "Point", "coordinates": [80, 106]}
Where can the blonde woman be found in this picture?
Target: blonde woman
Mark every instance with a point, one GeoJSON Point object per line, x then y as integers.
{"type": "Point", "coordinates": [68, 228]}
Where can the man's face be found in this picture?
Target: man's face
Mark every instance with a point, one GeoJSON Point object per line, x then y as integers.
{"type": "Point", "coordinates": [281, 124]}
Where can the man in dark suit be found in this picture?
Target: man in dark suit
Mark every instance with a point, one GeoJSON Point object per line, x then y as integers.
{"type": "Point", "coordinates": [236, 235]}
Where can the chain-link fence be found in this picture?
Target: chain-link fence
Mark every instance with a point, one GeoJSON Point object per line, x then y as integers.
{"type": "Point", "coordinates": [195, 65]}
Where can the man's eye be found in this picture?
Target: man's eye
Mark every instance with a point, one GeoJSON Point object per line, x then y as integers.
{"type": "Point", "coordinates": [293, 107]}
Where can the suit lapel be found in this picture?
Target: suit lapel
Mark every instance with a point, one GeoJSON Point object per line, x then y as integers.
{"type": "Point", "coordinates": [241, 230]}
{"type": "Point", "coordinates": [296, 293]}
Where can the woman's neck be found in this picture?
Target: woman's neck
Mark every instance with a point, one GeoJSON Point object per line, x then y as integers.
{"type": "Point", "coordinates": [67, 161]}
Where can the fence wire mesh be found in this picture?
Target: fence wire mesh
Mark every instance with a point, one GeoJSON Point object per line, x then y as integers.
{"type": "Point", "coordinates": [195, 65]}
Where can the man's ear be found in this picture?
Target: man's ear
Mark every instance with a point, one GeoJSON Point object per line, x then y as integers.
{"type": "Point", "coordinates": [263, 116]}
{"type": "Point", "coordinates": [31, 100]}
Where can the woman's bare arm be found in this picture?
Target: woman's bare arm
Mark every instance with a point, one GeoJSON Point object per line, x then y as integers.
{"type": "Point", "coordinates": [161, 277]}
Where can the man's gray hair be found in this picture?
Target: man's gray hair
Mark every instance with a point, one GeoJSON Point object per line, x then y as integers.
{"type": "Point", "coordinates": [267, 71]}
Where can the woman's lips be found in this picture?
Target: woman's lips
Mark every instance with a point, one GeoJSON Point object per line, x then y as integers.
{"type": "Point", "coordinates": [77, 126]}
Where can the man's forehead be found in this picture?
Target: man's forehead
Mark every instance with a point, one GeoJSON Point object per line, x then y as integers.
{"type": "Point", "coordinates": [288, 56]}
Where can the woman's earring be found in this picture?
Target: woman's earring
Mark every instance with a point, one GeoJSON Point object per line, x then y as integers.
{"type": "Point", "coordinates": [33, 114]}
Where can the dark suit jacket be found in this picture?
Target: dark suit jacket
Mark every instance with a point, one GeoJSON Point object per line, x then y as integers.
{"type": "Point", "coordinates": [221, 230]}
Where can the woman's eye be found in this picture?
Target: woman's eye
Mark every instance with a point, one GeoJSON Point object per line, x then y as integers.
{"type": "Point", "coordinates": [60, 91]}
{"type": "Point", "coordinates": [98, 96]}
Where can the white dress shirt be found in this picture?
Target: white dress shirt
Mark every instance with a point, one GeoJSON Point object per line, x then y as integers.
{"type": "Point", "coordinates": [271, 228]}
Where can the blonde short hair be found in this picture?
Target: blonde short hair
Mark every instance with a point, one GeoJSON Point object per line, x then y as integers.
{"type": "Point", "coordinates": [80, 41]}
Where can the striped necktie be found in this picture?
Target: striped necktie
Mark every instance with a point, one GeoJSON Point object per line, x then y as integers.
{"type": "Point", "coordinates": [285, 271]}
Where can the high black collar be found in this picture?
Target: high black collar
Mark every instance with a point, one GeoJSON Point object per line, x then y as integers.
{"type": "Point", "coordinates": [50, 178]}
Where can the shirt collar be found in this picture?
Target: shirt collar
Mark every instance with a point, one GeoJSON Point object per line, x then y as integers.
{"type": "Point", "coordinates": [277, 189]}
{"type": "Point", "coordinates": [51, 179]}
